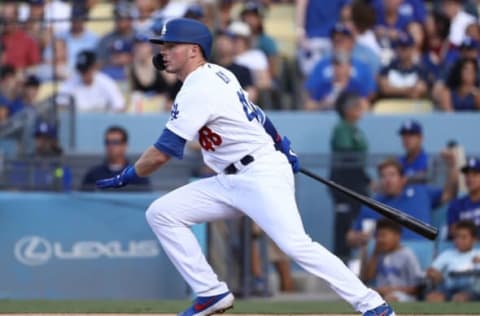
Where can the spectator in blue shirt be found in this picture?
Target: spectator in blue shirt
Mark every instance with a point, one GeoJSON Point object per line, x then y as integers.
{"type": "Point", "coordinates": [467, 207]}
{"type": "Point", "coordinates": [314, 21]}
{"type": "Point", "coordinates": [336, 78]}
{"type": "Point", "coordinates": [411, 9]}
{"type": "Point", "coordinates": [404, 77]}
{"type": "Point", "coordinates": [120, 58]}
{"type": "Point", "coordinates": [415, 200]}
{"type": "Point", "coordinates": [116, 144]}
{"type": "Point", "coordinates": [391, 23]}
{"type": "Point", "coordinates": [415, 160]}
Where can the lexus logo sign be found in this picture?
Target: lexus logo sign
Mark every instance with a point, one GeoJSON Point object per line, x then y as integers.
{"type": "Point", "coordinates": [33, 250]}
{"type": "Point", "coordinates": [36, 250]}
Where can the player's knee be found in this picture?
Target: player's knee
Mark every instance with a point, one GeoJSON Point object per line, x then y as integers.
{"type": "Point", "coordinates": [156, 214]}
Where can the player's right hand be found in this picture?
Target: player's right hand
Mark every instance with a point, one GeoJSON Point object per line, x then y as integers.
{"type": "Point", "coordinates": [118, 181]}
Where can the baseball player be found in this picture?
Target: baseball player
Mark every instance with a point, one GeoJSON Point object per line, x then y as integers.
{"type": "Point", "coordinates": [254, 165]}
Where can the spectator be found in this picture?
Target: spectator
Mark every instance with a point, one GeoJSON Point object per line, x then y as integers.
{"type": "Point", "coordinates": [195, 11]}
{"type": "Point", "coordinates": [415, 160]}
{"type": "Point", "coordinates": [403, 78]}
{"type": "Point", "coordinates": [21, 50]}
{"type": "Point", "coordinates": [363, 21]}
{"type": "Point", "coordinates": [123, 13]}
{"type": "Point", "coordinates": [459, 20]}
{"type": "Point", "coordinates": [224, 56]}
{"type": "Point", "coordinates": [314, 21]}
{"type": "Point", "coordinates": [78, 38]}
{"type": "Point", "coordinates": [144, 15]}
{"type": "Point", "coordinates": [116, 145]}
{"type": "Point", "coordinates": [343, 45]}
{"type": "Point", "coordinates": [416, 200]}
{"type": "Point", "coordinates": [61, 11]}
{"type": "Point", "coordinates": [432, 58]}
{"type": "Point", "coordinates": [252, 15]}
{"type": "Point", "coordinates": [391, 24]}
{"type": "Point", "coordinates": [35, 24]}
{"type": "Point", "coordinates": [467, 207]}
{"type": "Point", "coordinates": [91, 89]}
{"type": "Point", "coordinates": [224, 14]}
{"type": "Point", "coordinates": [341, 76]}
{"type": "Point", "coordinates": [7, 90]}
{"type": "Point", "coordinates": [30, 91]}
{"type": "Point", "coordinates": [462, 93]}
{"type": "Point", "coordinates": [468, 49]}
{"type": "Point", "coordinates": [411, 9]}
{"type": "Point", "coordinates": [349, 147]}
{"type": "Point", "coordinates": [46, 140]}
{"type": "Point", "coordinates": [392, 268]}
{"type": "Point", "coordinates": [462, 259]}
{"type": "Point", "coordinates": [120, 58]}
{"type": "Point", "coordinates": [55, 65]}
{"type": "Point", "coordinates": [245, 55]}
{"type": "Point", "coordinates": [45, 170]}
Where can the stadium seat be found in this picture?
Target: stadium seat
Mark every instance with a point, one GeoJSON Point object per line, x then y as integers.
{"type": "Point", "coordinates": [102, 11]}
{"type": "Point", "coordinates": [423, 249]}
{"type": "Point", "coordinates": [46, 90]}
{"type": "Point", "coordinates": [402, 106]}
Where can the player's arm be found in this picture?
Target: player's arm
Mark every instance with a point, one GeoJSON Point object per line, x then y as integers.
{"type": "Point", "coordinates": [168, 145]}
{"type": "Point", "coordinates": [282, 144]}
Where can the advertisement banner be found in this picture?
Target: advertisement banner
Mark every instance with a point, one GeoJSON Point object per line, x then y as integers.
{"type": "Point", "coordinates": [83, 246]}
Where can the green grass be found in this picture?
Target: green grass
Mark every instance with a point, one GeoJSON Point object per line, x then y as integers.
{"type": "Point", "coordinates": [241, 307]}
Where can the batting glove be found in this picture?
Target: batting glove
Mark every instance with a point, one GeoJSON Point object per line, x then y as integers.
{"type": "Point", "coordinates": [285, 148]}
{"type": "Point", "coordinates": [120, 180]}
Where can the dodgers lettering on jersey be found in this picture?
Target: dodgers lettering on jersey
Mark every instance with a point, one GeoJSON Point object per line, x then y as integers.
{"type": "Point", "coordinates": [212, 108]}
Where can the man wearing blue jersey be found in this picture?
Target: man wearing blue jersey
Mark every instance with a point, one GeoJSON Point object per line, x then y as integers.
{"type": "Point", "coordinates": [467, 207]}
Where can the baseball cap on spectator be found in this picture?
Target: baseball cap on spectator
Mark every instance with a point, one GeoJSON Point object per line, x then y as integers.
{"type": "Point", "coordinates": [410, 127]}
{"type": "Point", "coordinates": [44, 128]}
{"type": "Point", "coordinates": [240, 29]}
{"type": "Point", "coordinates": [85, 60]}
{"type": "Point", "coordinates": [194, 11]}
{"type": "Point", "coordinates": [404, 40]}
{"type": "Point", "coordinates": [472, 164]}
{"type": "Point", "coordinates": [340, 28]}
{"type": "Point", "coordinates": [32, 81]}
{"type": "Point", "coordinates": [469, 43]}
{"type": "Point", "coordinates": [252, 7]}
{"type": "Point", "coordinates": [79, 12]}
{"type": "Point", "coordinates": [121, 46]}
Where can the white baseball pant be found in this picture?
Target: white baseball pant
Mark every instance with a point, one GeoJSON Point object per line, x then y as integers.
{"type": "Point", "coordinates": [263, 190]}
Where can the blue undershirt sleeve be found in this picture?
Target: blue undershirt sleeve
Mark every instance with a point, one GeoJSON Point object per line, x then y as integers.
{"type": "Point", "coordinates": [170, 144]}
{"type": "Point", "coordinates": [271, 130]}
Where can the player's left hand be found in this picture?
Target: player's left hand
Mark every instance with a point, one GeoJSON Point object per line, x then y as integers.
{"type": "Point", "coordinates": [285, 147]}
{"type": "Point", "coordinates": [120, 180]}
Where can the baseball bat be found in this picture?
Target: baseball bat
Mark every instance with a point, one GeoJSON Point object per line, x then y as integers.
{"type": "Point", "coordinates": [394, 214]}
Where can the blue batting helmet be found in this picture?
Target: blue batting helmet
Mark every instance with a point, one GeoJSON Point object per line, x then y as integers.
{"type": "Point", "coordinates": [183, 30]}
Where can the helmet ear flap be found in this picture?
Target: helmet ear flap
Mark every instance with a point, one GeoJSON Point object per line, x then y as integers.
{"type": "Point", "coordinates": [158, 63]}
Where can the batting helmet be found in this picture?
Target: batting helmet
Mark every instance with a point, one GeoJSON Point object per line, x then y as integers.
{"type": "Point", "coordinates": [183, 30]}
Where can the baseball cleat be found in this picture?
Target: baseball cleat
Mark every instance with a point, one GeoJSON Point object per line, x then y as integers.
{"type": "Point", "coordinates": [208, 305]}
{"type": "Point", "coordinates": [382, 310]}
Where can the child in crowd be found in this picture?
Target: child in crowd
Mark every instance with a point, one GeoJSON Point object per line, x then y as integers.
{"type": "Point", "coordinates": [392, 268]}
{"type": "Point", "coordinates": [453, 271]}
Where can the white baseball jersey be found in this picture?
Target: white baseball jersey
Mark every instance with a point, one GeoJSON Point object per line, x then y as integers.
{"type": "Point", "coordinates": [212, 107]}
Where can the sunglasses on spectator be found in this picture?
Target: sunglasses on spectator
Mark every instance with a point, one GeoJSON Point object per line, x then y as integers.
{"type": "Point", "coordinates": [114, 142]}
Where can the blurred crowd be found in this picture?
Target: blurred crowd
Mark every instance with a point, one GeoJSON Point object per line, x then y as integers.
{"type": "Point", "coordinates": [351, 57]}
{"type": "Point", "coordinates": [405, 50]}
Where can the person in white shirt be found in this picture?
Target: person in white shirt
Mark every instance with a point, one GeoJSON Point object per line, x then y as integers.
{"type": "Point", "coordinates": [459, 20]}
{"type": "Point", "coordinates": [253, 59]}
{"type": "Point", "coordinates": [91, 90]}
